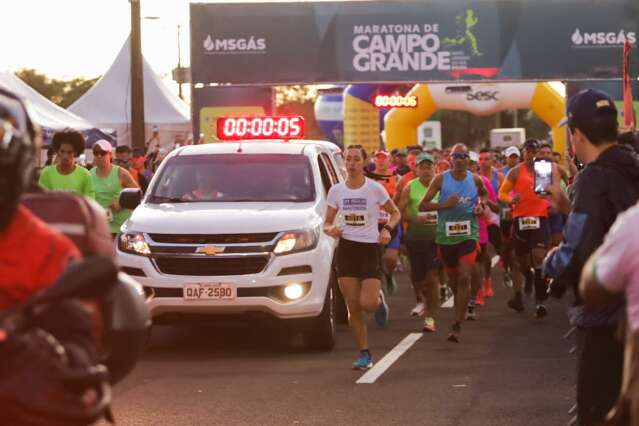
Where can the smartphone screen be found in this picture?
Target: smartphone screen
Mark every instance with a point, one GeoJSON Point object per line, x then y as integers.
{"type": "Point", "coordinates": [543, 176]}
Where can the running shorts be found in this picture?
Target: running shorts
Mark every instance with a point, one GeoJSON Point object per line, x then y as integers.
{"type": "Point", "coordinates": [451, 255]}
{"type": "Point", "coordinates": [359, 260]}
{"type": "Point", "coordinates": [506, 228]}
{"type": "Point", "coordinates": [423, 257]}
{"type": "Point", "coordinates": [524, 240]}
{"type": "Point", "coordinates": [494, 237]}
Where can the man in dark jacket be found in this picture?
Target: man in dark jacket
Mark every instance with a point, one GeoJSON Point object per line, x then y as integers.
{"type": "Point", "coordinates": [608, 185]}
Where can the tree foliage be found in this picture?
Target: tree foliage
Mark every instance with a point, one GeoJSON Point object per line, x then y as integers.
{"type": "Point", "coordinates": [60, 92]}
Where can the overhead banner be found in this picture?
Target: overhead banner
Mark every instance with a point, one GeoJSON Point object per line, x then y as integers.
{"type": "Point", "coordinates": [391, 41]}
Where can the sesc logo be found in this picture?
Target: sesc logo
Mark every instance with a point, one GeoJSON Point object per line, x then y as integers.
{"type": "Point", "coordinates": [482, 95]}
{"type": "Point", "coordinates": [602, 39]}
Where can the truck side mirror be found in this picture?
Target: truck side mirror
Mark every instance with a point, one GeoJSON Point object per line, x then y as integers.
{"type": "Point", "coordinates": [130, 198]}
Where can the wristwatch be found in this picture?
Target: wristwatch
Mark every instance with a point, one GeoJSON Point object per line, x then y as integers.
{"type": "Point", "coordinates": [388, 227]}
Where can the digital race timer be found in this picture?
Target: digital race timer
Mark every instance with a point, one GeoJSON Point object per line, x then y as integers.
{"type": "Point", "coordinates": [260, 127]}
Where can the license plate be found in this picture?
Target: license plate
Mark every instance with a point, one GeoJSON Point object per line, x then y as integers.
{"type": "Point", "coordinates": [208, 292]}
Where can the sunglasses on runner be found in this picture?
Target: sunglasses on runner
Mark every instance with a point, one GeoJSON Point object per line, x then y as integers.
{"type": "Point", "coordinates": [459, 156]}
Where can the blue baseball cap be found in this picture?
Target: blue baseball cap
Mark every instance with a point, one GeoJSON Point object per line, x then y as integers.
{"type": "Point", "coordinates": [587, 105]}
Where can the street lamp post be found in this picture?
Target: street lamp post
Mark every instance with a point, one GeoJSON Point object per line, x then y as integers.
{"type": "Point", "coordinates": [179, 65]}
{"type": "Point", "coordinates": [137, 78]}
{"type": "Point", "coordinates": [178, 73]}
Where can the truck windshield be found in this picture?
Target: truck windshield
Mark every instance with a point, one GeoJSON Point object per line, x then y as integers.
{"type": "Point", "coordinates": [233, 177]}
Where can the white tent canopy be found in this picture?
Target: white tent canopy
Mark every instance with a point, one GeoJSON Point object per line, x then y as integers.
{"type": "Point", "coordinates": [108, 103]}
{"type": "Point", "coordinates": [43, 112]}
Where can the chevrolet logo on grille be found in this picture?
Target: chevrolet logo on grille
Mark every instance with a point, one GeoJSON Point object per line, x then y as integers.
{"type": "Point", "coordinates": [210, 250]}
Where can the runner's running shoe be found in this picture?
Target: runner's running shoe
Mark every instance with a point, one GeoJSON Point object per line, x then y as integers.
{"type": "Point", "coordinates": [418, 310]}
{"type": "Point", "coordinates": [364, 361]}
{"type": "Point", "coordinates": [488, 287]}
{"type": "Point", "coordinates": [381, 314]}
{"type": "Point", "coordinates": [471, 315]}
{"type": "Point", "coordinates": [541, 311]}
{"type": "Point", "coordinates": [508, 280]}
{"type": "Point", "coordinates": [429, 325]}
{"type": "Point", "coordinates": [479, 299]}
{"type": "Point", "coordinates": [517, 302]}
{"type": "Point", "coordinates": [455, 331]}
{"type": "Point", "coordinates": [391, 285]}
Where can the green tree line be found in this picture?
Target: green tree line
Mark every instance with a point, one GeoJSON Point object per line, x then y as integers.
{"type": "Point", "coordinates": [61, 92]}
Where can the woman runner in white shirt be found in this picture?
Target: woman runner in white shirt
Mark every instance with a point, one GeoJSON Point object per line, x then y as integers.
{"type": "Point", "coordinates": [359, 268]}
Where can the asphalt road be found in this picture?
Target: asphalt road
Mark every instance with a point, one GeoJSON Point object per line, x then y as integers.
{"type": "Point", "coordinates": [509, 369]}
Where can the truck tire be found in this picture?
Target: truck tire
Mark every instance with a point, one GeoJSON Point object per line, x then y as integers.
{"type": "Point", "coordinates": [320, 334]}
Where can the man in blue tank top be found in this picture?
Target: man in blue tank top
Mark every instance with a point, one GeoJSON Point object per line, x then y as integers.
{"type": "Point", "coordinates": [462, 198]}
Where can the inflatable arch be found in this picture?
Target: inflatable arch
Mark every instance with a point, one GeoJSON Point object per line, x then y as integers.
{"type": "Point", "coordinates": [480, 99]}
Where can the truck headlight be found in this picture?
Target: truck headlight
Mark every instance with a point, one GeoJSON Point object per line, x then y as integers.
{"type": "Point", "coordinates": [296, 241]}
{"type": "Point", "coordinates": [133, 243]}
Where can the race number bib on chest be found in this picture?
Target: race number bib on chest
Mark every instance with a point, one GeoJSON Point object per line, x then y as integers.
{"type": "Point", "coordinates": [355, 218]}
{"type": "Point", "coordinates": [458, 229]}
{"type": "Point", "coordinates": [355, 211]}
{"type": "Point", "coordinates": [529, 223]}
{"type": "Point", "coordinates": [431, 217]}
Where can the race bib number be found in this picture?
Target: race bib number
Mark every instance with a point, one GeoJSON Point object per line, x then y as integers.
{"type": "Point", "coordinates": [355, 218]}
{"type": "Point", "coordinates": [431, 217]}
{"type": "Point", "coordinates": [458, 229]}
{"type": "Point", "coordinates": [529, 223]}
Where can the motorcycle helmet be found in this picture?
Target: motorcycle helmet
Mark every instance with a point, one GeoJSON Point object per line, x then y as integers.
{"type": "Point", "coordinates": [17, 152]}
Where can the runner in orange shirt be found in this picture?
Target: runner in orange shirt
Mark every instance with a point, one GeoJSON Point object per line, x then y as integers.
{"type": "Point", "coordinates": [531, 231]}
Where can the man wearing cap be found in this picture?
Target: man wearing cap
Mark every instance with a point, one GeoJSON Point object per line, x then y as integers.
{"type": "Point", "coordinates": [420, 242]}
{"type": "Point", "coordinates": [531, 231]}
{"type": "Point", "coordinates": [109, 180]}
{"type": "Point", "coordinates": [66, 175]}
{"type": "Point", "coordinates": [608, 185]}
{"type": "Point", "coordinates": [512, 156]}
{"type": "Point", "coordinates": [462, 197]}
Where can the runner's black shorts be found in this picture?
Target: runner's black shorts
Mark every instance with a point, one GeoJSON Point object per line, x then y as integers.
{"type": "Point", "coordinates": [452, 255]}
{"type": "Point", "coordinates": [506, 228]}
{"type": "Point", "coordinates": [422, 254]}
{"type": "Point", "coordinates": [359, 260]}
{"type": "Point", "coordinates": [526, 240]}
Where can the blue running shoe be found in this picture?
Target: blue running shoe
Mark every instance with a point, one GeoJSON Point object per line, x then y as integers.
{"type": "Point", "coordinates": [381, 314]}
{"type": "Point", "coordinates": [364, 362]}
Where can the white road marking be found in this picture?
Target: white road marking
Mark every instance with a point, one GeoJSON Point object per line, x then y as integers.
{"type": "Point", "coordinates": [380, 367]}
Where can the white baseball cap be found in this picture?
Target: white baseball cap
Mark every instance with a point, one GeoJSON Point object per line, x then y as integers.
{"type": "Point", "coordinates": [474, 156]}
{"type": "Point", "coordinates": [512, 150]}
{"type": "Point", "coordinates": [103, 145]}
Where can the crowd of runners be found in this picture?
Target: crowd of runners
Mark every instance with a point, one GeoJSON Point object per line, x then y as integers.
{"type": "Point", "coordinates": [453, 215]}
{"type": "Point", "coordinates": [462, 213]}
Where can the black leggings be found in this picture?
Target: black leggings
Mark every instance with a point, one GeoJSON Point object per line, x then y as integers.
{"type": "Point", "coordinates": [494, 237]}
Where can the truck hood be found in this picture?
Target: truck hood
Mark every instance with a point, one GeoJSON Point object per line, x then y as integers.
{"type": "Point", "coordinates": [223, 218]}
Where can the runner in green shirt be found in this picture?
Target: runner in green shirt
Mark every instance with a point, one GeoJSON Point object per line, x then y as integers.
{"type": "Point", "coordinates": [65, 174]}
{"type": "Point", "coordinates": [420, 242]}
{"type": "Point", "coordinates": [109, 180]}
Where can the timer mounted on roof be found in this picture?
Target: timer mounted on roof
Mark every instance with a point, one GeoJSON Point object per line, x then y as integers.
{"type": "Point", "coordinates": [260, 127]}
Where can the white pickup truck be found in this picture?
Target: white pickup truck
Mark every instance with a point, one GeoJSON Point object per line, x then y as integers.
{"type": "Point", "coordinates": [236, 228]}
